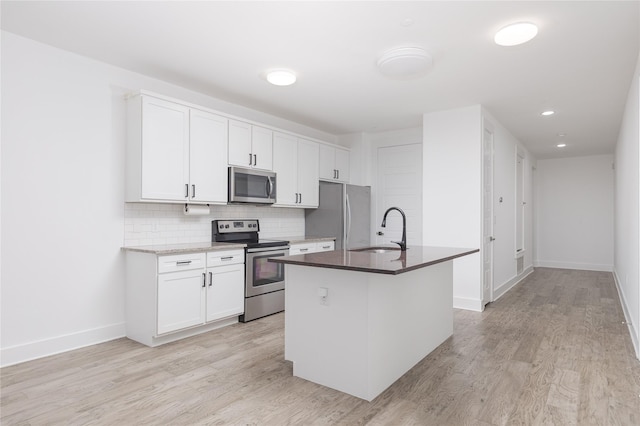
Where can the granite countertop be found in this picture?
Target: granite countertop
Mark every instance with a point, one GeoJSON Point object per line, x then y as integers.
{"type": "Point", "coordinates": [163, 249]}
{"type": "Point", "coordinates": [301, 239]}
{"type": "Point", "coordinates": [392, 263]}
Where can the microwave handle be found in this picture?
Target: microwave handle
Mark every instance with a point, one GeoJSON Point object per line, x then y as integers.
{"type": "Point", "coordinates": [269, 186]}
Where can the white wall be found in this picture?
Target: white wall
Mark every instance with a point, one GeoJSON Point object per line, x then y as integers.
{"type": "Point", "coordinates": [452, 204]}
{"type": "Point", "coordinates": [575, 213]}
{"type": "Point", "coordinates": [63, 217]}
{"type": "Point", "coordinates": [627, 212]}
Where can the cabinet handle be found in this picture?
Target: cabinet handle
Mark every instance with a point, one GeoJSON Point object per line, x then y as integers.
{"type": "Point", "coordinates": [186, 190]}
{"type": "Point", "coordinates": [193, 191]}
{"type": "Point", "coordinates": [204, 280]}
{"type": "Point", "coordinates": [183, 262]}
{"type": "Point", "coordinates": [255, 159]}
{"type": "Point", "coordinates": [210, 278]}
{"type": "Point", "coordinates": [326, 247]}
{"type": "Point", "coordinates": [226, 258]}
{"type": "Point", "coordinates": [250, 159]}
{"type": "Point", "coordinates": [338, 173]}
{"type": "Point", "coordinates": [301, 198]}
{"type": "Point", "coordinates": [296, 198]}
{"type": "Point", "coordinates": [304, 249]}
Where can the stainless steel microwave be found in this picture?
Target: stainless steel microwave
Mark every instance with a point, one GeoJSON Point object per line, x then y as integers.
{"type": "Point", "coordinates": [251, 186]}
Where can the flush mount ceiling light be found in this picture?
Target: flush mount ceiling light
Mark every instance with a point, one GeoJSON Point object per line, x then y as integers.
{"type": "Point", "coordinates": [561, 145]}
{"type": "Point", "coordinates": [514, 34]}
{"type": "Point", "coordinates": [405, 62]}
{"type": "Point", "coordinates": [281, 77]}
{"type": "Point", "coordinates": [547, 113]}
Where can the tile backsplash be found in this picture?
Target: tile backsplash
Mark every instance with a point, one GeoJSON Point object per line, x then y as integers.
{"type": "Point", "coordinates": [151, 223]}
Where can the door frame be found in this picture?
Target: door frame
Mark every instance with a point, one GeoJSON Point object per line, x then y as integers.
{"type": "Point", "coordinates": [486, 289]}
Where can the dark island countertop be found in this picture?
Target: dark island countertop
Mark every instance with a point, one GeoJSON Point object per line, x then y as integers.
{"type": "Point", "coordinates": [392, 262]}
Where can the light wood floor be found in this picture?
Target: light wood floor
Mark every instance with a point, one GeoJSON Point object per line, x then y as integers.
{"type": "Point", "coordinates": [554, 350]}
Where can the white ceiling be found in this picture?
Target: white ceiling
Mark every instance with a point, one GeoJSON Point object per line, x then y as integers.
{"type": "Point", "coordinates": [580, 65]}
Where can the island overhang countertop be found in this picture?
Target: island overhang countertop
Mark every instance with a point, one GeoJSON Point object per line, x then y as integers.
{"type": "Point", "coordinates": [392, 262]}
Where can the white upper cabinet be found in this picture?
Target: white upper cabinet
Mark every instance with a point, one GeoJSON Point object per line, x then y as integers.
{"type": "Point", "coordinates": [285, 164]}
{"type": "Point", "coordinates": [175, 153]}
{"type": "Point", "coordinates": [308, 177]}
{"type": "Point", "coordinates": [295, 162]}
{"type": "Point", "coordinates": [207, 157]}
{"type": "Point", "coordinates": [250, 146]}
{"type": "Point", "coordinates": [262, 148]}
{"type": "Point", "coordinates": [164, 152]}
{"type": "Point", "coordinates": [334, 163]}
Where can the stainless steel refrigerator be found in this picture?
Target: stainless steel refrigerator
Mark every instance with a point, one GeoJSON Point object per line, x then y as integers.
{"type": "Point", "coordinates": [344, 212]}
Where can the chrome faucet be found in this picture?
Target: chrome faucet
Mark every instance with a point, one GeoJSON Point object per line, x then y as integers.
{"type": "Point", "coordinates": [403, 243]}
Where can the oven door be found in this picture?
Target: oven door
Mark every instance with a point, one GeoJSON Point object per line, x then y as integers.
{"type": "Point", "coordinates": [264, 276]}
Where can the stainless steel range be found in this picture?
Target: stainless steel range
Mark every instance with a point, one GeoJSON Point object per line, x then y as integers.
{"type": "Point", "coordinates": [264, 280]}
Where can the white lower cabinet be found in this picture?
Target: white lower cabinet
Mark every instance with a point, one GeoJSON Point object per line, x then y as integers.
{"type": "Point", "coordinates": [176, 296]}
{"type": "Point", "coordinates": [225, 288]}
{"type": "Point", "coordinates": [312, 247]}
{"type": "Point", "coordinates": [180, 302]}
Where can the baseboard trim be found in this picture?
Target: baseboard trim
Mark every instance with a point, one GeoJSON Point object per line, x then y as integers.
{"type": "Point", "coordinates": [46, 347]}
{"type": "Point", "coordinates": [572, 265]}
{"type": "Point", "coordinates": [468, 304]}
{"type": "Point", "coordinates": [504, 288]}
{"type": "Point", "coordinates": [627, 316]}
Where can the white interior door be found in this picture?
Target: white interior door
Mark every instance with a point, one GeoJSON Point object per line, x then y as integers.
{"type": "Point", "coordinates": [487, 217]}
{"type": "Point", "coordinates": [399, 184]}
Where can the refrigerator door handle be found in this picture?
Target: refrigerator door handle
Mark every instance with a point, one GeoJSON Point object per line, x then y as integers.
{"type": "Point", "coordinates": [348, 227]}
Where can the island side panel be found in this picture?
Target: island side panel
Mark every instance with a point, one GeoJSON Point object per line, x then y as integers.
{"type": "Point", "coordinates": [327, 343]}
{"type": "Point", "coordinates": [409, 316]}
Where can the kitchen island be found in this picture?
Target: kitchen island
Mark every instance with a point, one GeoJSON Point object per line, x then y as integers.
{"type": "Point", "coordinates": [356, 321]}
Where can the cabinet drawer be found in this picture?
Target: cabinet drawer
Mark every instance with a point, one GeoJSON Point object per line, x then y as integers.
{"type": "Point", "coordinates": [219, 258]}
{"type": "Point", "coordinates": [325, 246]}
{"type": "Point", "coordinates": [180, 262]}
{"type": "Point", "coordinates": [302, 248]}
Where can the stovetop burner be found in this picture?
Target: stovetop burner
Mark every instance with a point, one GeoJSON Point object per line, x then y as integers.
{"type": "Point", "coordinates": [244, 231]}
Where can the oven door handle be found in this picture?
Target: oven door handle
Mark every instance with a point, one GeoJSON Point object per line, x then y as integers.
{"type": "Point", "coordinates": [273, 250]}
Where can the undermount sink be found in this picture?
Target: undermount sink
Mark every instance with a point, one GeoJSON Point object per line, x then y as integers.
{"type": "Point", "coordinates": [376, 249]}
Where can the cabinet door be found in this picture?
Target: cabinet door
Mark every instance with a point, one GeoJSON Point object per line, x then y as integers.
{"type": "Point", "coordinates": [342, 164]}
{"type": "Point", "coordinates": [165, 150]}
{"type": "Point", "coordinates": [180, 300]}
{"type": "Point", "coordinates": [308, 185]}
{"type": "Point", "coordinates": [240, 144]}
{"type": "Point", "coordinates": [262, 148]}
{"type": "Point", "coordinates": [285, 165]}
{"type": "Point", "coordinates": [327, 162]}
{"type": "Point", "coordinates": [225, 291]}
{"type": "Point", "coordinates": [208, 158]}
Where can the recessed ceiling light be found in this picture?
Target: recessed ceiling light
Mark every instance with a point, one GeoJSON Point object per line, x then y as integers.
{"type": "Point", "coordinates": [407, 22]}
{"type": "Point", "coordinates": [514, 34]}
{"type": "Point", "coordinates": [561, 145]}
{"type": "Point", "coordinates": [546, 113]}
{"type": "Point", "coordinates": [281, 77]}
